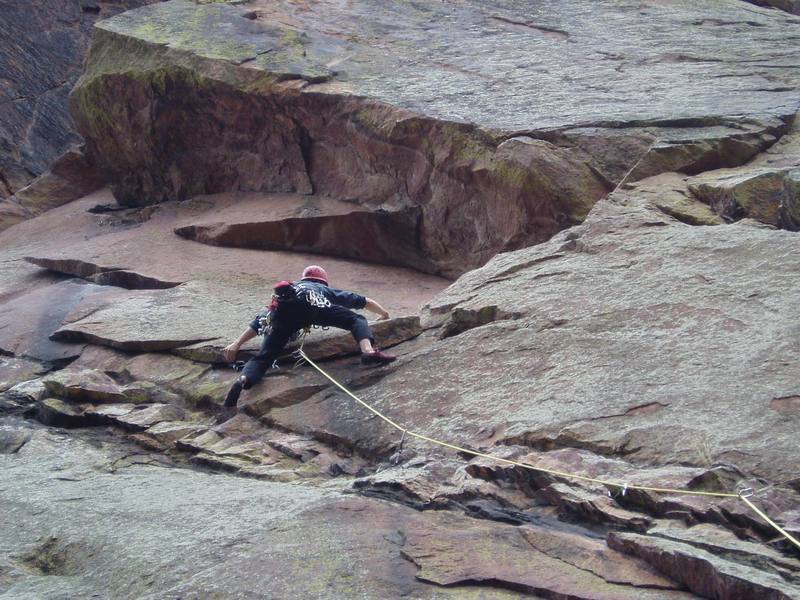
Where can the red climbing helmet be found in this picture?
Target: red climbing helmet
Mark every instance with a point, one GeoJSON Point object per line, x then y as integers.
{"type": "Point", "coordinates": [315, 272]}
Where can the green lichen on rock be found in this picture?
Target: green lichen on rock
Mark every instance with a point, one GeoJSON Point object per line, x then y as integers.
{"type": "Point", "coordinates": [790, 202]}
{"type": "Point", "coordinates": [207, 394]}
{"type": "Point", "coordinates": [466, 143]}
{"type": "Point", "coordinates": [195, 99]}
{"type": "Point", "coordinates": [511, 175]}
{"type": "Point", "coordinates": [736, 194]}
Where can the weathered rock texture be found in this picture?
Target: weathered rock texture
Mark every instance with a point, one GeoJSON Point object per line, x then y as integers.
{"type": "Point", "coordinates": [790, 6]}
{"type": "Point", "coordinates": [641, 318]}
{"type": "Point", "coordinates": [652, 345]}
{"type": "Point", "coordinates": [767, 189]}
{"type": "Point", "coordinates": [133, 263]}
{"type": "Point", "coordinates": [295, 540]}
{"type": "Point", "coordinates": [71, 177]}
{"type": "Point", "coordinates": [41, 57]}
{"type": "Point", "coordinates": [474, 154]}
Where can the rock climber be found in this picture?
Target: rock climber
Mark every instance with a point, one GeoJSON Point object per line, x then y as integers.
{"type": "Point", "coordinates": [296, 306]}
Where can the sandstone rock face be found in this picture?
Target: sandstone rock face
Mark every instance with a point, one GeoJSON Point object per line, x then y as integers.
{"type": "Point", "coordinates": [40, 67]}
{"type": "Point", "coordinates": [317, 101]}
{"type": "Point", "coordinates": [647, 337]}
{"type": "Point", "coordinates": [765, 190]}
{"type": "Point", "coordinates": [296, 428]}
{"type": "Point", "coordinates": [652, 345]}
{"type": "Point", "coordinates": [759, 195]}
{"type": "Point", "coordinates": [704, 573]}
{"type": "Point", "coordinates": [265, 555]}
{"type": "Point", "coordinates": [221, 289]}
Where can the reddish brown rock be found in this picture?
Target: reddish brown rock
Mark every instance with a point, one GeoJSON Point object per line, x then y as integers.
{"type": "Point", "coordinates": [32, 314]}
{"type": "Point", "coordinates": [545, 563]}
{"type": "Point", "coordinates": [237, 280]}
{"type": "Point", "coordinates": [312, 224]}
{"type": "Point", "coordinates": [12, 213]}
{"type": "Point", "coordinates": [702, 572]}
{"type": "Point", "coordinates": [41, 58]}
{"type": "Point", "coordinates": [520, 160]}
{"type": "Point", "coordinates": [721, 542]}
{"type": "Point", "coordinates": [281, 389]}
{"type": "Point", "coordinates": [510, 188]}
{"type": "Point", "coordinates": [605, 352]}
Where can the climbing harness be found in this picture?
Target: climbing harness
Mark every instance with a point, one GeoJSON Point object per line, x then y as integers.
{"type": "Point", "coordinates": [743, 494]}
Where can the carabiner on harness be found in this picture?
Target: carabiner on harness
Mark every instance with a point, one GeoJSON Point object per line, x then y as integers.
{"type": "Point", "coordinates": [265, 323]}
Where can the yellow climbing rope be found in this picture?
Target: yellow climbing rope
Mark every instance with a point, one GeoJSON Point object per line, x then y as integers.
{"type": "Point", "coordinates": [743, 495]}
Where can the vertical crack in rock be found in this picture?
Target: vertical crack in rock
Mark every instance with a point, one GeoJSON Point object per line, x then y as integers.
{"type": "Point", "coordinates": [6, 190]}
{"type": "Point", "coordinates": [306, 148]}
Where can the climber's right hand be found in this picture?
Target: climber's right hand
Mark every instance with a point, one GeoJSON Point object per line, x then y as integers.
{"type": "Point", "coordinates": [230, 352]}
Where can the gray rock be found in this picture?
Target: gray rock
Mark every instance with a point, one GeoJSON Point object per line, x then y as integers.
{"type": "Point", "coordinates": [144, 416]}
{"type": "Point", "coordinates": [702, 572]}
{"type": "Point", "coordinates": [14, 371]}
{"type": "Point", "coordinates": [56, 412]}
{"type": "Point", "coordinates": [422, 65]}
{"type": "Point", "coordinates": [169, 432]}
{"type": "Point", "coordinates": [761, 194]}
{"type": "Point", "coordinates": [271, 528]}
{"type": "Point", "coordinates": [619, 318]}
{"type": "Point", "coordinates": [85, 385]}
{"type": "Point", "coordinates": [26, 392]}
{"type": "Point", "coordinates": [12, 439]}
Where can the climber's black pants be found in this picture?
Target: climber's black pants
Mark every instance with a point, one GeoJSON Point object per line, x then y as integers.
{"type": "Point", "coordinates": [288, 320]}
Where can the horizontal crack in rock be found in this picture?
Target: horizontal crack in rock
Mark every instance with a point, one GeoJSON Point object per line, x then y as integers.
{"type": "Point", "coordinates": [113, 276]}
{"type": "Point", "coordinates": [71, 335]}
{"type": "Point", "coordinates": [464, 319]}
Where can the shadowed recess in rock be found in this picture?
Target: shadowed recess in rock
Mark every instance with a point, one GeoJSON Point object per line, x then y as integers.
{"type": "Point", "coordinates": [113, 276]}
{"type": "Point", "coordinates": [312, 224]}
{"type": "Point", "coordinates": [490, 164]}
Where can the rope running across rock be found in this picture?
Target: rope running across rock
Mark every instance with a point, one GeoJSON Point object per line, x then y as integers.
{"type": "Point", "coordinates": [743, 495]}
